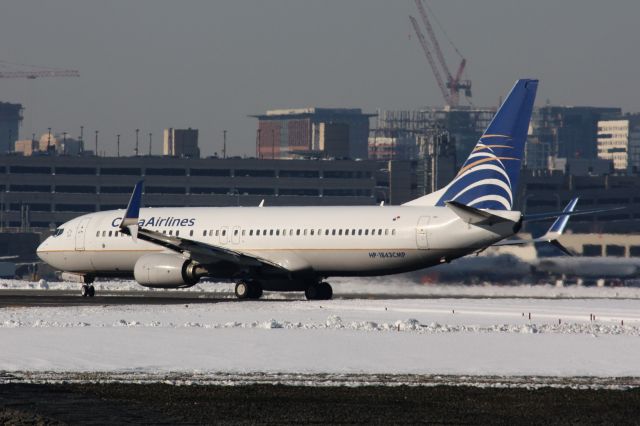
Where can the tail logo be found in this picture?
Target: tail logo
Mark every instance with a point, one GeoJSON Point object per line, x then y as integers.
{"type": "Point", "coordinates": [483, 181]}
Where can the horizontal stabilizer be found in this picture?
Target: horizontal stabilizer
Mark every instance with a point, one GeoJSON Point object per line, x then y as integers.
{"type": "Point", "coordinates": [475, 216]}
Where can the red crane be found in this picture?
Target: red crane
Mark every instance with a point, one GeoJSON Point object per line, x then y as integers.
{"type": "Point", "coordinates": [454, 84]}
{"type": "Point", "coordinates": [8, 70]}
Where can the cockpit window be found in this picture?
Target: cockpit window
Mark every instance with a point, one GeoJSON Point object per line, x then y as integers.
{"type": "Point", "coordinates": [58, 232]}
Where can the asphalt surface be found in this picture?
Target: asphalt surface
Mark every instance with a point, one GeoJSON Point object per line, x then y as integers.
{"type": "Point", "coordinates": [116, 403]}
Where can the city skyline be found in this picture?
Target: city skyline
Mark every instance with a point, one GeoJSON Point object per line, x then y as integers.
{"type": "Point", "coordinates": [152, 65]}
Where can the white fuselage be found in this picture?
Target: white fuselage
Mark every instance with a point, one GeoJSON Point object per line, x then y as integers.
{"type": "Point", "coordinates": [330, 241]}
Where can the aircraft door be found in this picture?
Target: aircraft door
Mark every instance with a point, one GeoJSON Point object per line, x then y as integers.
{"type": "Point", "coordinates": [81, 232]}
{"type": "Point", "coordinates": [235, 236]}
{"type": "Point", "coordinates": [421, 232]}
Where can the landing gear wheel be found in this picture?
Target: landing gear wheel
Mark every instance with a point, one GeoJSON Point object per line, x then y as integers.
{"type": "Point", "coordinates": [91, 291]}
{"type": "Point", "coordinates": [243, 290]}
{"type": "Point", "coordinates": [248, 290]}
{"type": "Point", "coordinates": [84, 291]}
{"type": "Point", "coordinates": [255, 291]}
{"type": "Point", "coordinates": [319, 291]}
{"type": "Point", "coordinates": [327, 291]}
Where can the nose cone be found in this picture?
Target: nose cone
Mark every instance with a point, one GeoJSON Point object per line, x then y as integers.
{"type": "Point", "coordinates": [42, 250]}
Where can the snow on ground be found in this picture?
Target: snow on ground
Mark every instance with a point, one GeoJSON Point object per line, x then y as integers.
{"type": "Point", "coordinates": [392, 286]}
{"type": "Point", "coordinates": [443, 336]}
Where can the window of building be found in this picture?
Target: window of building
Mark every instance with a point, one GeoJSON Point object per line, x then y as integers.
{"type": "Point", "coordinates": [614, 250]}
{"type": "Point", "coordinates": [254, 173]}
{"type": "Point", "coordinates": [634, 251]}
{"type": "Point", "coordinates": [313, 174]}
{"type": "Point", "coordinates": [75, 171]}
{"type": "Point", "coordinates": [120, 171]}
{"type": "Point", "coordinates": [165, 172]}
{"type": "Point", "coordinates": [29, 188]}
{"type": "Point", "coordinates": [209, 190]}
{"type": "Point", "coordinates": [79, 208]}
{"type": "Point", "coordinates": [210, 172]}
{"type": "Point", "coordinates": [299, 192]}
{"type": "Point", "coordinates": [35, 170]}
{"type": "Point", "coordinates": [75, 189]}
{"type": "Point", "coordinates": [592, 250]}
{"type": "Point", "coordinates": [164, 190]}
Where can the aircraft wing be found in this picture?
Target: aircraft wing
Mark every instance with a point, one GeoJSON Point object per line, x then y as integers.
{"type": "Point", "coordinates": [198, 251]}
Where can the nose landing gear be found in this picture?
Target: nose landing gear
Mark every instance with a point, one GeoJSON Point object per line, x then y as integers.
{"type": "Point", "coordinates": [248, 290]}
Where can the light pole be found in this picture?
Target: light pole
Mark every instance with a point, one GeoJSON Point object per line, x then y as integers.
{"type": "Point", "coordinates": [224, 144]}
{"type": "Point", "coordinates": [64, 143]}
{"type": "Point", "coordinates": [118, 146]}
{"type": "Point", "coordinates": [137, 132]}
{"type": "Point", "coordinates": [150, 134]}
{"type": "Point", "coordinates": [96, 144]}
{"type": "Point", "coordinates": [49, 139]}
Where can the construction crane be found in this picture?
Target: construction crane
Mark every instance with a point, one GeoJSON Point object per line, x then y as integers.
{"type": "Point", "coordinates": [31, 72]}
{"type": "Point", "coordinates": [454, 85]}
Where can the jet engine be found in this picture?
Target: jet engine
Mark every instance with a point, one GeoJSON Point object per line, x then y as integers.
{"type": "Point", "coordinates": [164, 270]}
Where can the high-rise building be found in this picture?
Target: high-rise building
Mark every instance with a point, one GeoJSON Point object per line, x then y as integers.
{"type": "Point", "coordinates": [319, 132]}
{"type": "Point", "coordinates": [619, 140]}
{"type": "Point", "coordinates": [181, 143]}
{"type": "Point", "coordinates": [10, 117]}
{"type": "Point", "coordinates": [570, 132]}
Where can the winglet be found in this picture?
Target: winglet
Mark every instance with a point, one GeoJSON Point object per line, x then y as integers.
{"type": "Point", "coordinates": [132, 214]}
{"type": "Point", "coordinates": [557, 227]}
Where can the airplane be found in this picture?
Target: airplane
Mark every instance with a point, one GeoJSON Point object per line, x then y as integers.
{"type": "Point", "coordinates": [298, 248]}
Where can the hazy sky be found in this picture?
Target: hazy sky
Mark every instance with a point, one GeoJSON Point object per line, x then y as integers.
{"type": "Point", "coordinates": [209, 64]}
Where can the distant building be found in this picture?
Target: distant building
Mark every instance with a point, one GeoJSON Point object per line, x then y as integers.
{"type": "Point", "coordinates": [570, 132]}
{"type": "Point", "coordinates": [464, 125]}
{"type": "Point", "coordinates": [26, 147]}
{"type": "Point", "coordinates": [619, 140]}
{"type": "Point", "coordinates": [181, 143]}
{"type": "Point", "coordinates": [10, 118]}
{"type": "Point", "coordinates": [536, 154]}
{"type": "Point", "coordinates": [53, 144]}
{"type": "Point", "coordinates": [401, 147]}
{"type": "Point", "coordinates": [319, 132]}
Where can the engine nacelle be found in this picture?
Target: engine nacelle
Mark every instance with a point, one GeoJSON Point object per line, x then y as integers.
{"type": "Point", "coordinates": [164, 270]}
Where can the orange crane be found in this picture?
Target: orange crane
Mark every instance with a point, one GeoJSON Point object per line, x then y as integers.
{"type": "Point", "coordinates": [8, 70]}
{"type": "Point", "coordinates": [454, 85]}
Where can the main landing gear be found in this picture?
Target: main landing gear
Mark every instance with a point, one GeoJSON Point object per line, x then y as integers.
{"type": "Point", "coordinates": [88, 290]}
{"type": "Point", "coordinates": [248, 290]}
{"type": "Point", "coordinates": [319, 291]}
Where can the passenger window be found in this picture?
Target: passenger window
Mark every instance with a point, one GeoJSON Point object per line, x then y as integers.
{"type": "Point", "coordinates": [204, 233]}
{"type": "Point", "coordinates": [386, 232]}
{"type": "Point", "coordinates": [177, 233]}
{"type": "Point", "coordinates": [339, 231]}
{"type": "Point", "coordinates": [224, 232]}
{"type": "Point", "coordinates": [359, 231]}
{"type": "Point", "coordinates": [217, 233]}
{"type": "Point", "coordinates": [98, 234]}
{"type": "Point", "coordinates": [164, 232]}
{"type": "Point", "coordinates": [235, 232]}
{"type": "Point", "coordinates": [243, 232]}
{"type": "Point", "coordinates": [251, 232]}
{"type": "Point", "coordinates": [393, 232]}
{"type": "Point", "coordinates": [333, 232]}
{"type": "Point", "coordinates": [379, 231]}
{"type": "Point", "coordinates": [104, 233]}
{"type": "Point", "coordinates": [311, 230]}
{"type": "Point", "coordinates": [191, 233]}
{"type": "Point", "coordinates": [277, 232]}
{"type": "Point", "coordinates": [297, 232]}
{"type": "Point", "coordinates": [270, 231]}
{"type": "Point", "coordinates": [305, 232]}
{"type": "Point", "coordinates": [353, 232]}
{"type": "Point", "coordinates": [171, 232]}
{"type": "Point", "coordinates": [109, 233]}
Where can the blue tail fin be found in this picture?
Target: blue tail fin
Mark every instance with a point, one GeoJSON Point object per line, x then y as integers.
{"type": "Point", "coordinates": [489, 177]}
